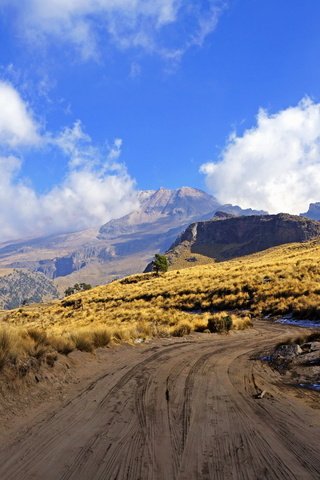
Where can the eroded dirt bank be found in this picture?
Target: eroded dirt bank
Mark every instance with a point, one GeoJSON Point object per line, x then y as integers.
{"type": "Point", "coordinates": [175, 409]}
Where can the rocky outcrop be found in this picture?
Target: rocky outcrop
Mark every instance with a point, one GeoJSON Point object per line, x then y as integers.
{"type": "Point", "coordinates": [225, 238]}
{"type": "Point", "coordinates": [314, 211]}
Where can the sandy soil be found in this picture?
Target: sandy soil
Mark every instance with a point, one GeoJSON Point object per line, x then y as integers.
{"type": "Point", "coordinates": [174, 409]}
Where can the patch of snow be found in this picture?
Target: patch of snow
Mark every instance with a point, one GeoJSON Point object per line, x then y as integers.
{"type": "Point", "coordinates": [299, 323]}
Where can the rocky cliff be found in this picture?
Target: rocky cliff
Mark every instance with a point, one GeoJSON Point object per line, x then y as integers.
{"type": "Point", "coordinates": [223, 237]}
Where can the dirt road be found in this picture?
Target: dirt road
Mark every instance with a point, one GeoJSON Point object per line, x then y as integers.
{"type": "Point", "coordinates": [178, 409]}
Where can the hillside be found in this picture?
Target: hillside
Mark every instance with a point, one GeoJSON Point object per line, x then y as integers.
{"type": "Point", "coordinates": [140, 306]}
{"type": "Point", "coordinates": [225, 237]}
{"type": "Point", "coordinates": [22, 286]}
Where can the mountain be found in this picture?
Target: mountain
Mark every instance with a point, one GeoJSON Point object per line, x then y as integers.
{"type": "Point", "coordinates": [166, 209]}
{"type": "Point", "coordinates": [119, 247]}
{"type": "Point", "coordinates": [19, 287]}
{"type": "Point", "coordinates": [226, 237]}
{"type": "Point", "coordinates": [314, 211]}
{"type": "Point", "coordinates": [162, 208]}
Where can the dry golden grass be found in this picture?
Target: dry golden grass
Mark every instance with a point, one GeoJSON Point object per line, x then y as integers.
{"type": "Point", "coordinates": [278, 281]}
{"type": "Point", "coordinates": [18, 345]}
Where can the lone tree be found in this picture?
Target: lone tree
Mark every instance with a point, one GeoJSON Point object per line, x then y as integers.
{"type": "Point", "coordinates": [160, 263]}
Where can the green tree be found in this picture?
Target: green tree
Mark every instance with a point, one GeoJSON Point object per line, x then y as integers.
{"type": "Point", "coordinates": [160, 263]}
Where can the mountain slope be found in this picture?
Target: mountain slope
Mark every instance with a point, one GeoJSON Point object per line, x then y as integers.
{"type": "Point", "coordinates": [267, 282]}
{"type": "Point", "coordinates": [21, 287]}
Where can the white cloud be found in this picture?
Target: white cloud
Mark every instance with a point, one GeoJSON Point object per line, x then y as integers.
{"type": "Point", "coordinates": [273, 166]}
{"type": "Point", "coordinates": [86, 198]}
{"type": "Point", "coordinates": [18, 203]}
{"type": "Point", "coordinates": [76, 145]}
{"type": "Point", "coordinates": [96, 187]}
{"type": "Point", "coordinates": [17, 125]}
{"type": "Point", "coordinates": [93, 24]}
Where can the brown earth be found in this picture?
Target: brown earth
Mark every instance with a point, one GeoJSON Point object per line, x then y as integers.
{"type": "Point", "coordinates": [173, 409]}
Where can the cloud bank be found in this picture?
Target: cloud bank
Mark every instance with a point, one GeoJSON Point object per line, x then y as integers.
{"type": "Point", "coordinates": [273, 166]}
{"type": "Point", "coordinates": [90, 25]}
{"type": "Point", "coordinates": [96, 187]}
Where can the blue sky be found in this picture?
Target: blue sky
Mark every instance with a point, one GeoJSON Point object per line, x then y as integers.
{"type": "Point", "coordinates": [161, 92]}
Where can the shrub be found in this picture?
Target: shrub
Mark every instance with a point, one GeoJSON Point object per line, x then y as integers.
{"type": "Point", "coordinates": [219, 323]}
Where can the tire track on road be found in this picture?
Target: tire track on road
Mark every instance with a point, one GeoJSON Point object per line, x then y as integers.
{"type": "Point", "coordinates": [181, 411]}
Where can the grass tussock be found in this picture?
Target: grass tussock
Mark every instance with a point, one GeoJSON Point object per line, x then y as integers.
{"type": "Point", "coordinates": [5, 347]}
{"type": "Point", "coordinates": [181, 329]}
{"type": "Point", "coordinates": [19, 345]}
{"type": "Point", "coordinates": [217, 297]}
{"type": "Point", "coordinates": [63, 345]}
{"type": "Point", "coordinates": [89, 339]}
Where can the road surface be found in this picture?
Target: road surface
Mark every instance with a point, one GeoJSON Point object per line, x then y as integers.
{"type": "Point", "coordinates": [177, 409]}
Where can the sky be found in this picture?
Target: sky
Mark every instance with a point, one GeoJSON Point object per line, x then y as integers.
{"type": "Point", "coordinates": [102, 98]}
